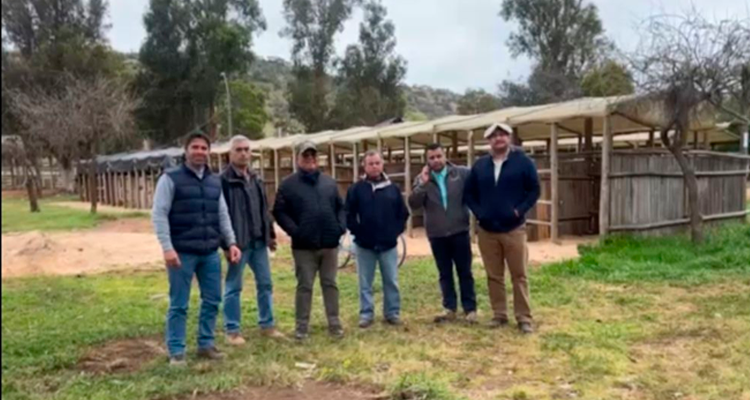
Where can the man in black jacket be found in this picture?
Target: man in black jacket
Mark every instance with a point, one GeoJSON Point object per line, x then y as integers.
{"type": "Point", "coordinates": [376, 216]}
{"type": "Point", "coordinates": [309, 209]}
{"type": "Point", "coordinates": [248, 207]}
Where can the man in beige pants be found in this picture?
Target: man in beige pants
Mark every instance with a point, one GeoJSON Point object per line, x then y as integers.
{"type": "Point", "coordinates": [502, 187]}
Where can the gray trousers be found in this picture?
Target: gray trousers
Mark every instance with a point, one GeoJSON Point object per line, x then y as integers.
{"type": "Point", "coordinates": [307, 264]}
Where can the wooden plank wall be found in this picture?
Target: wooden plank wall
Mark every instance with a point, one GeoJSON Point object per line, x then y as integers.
{"type": "Point", "coordinates": [648, 188]}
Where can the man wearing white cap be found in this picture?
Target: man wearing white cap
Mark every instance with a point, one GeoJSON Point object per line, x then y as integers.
{"type": "Point", "coordinates": [502, 187]}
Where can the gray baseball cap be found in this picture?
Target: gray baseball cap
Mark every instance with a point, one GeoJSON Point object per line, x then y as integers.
{"type": "Point", "coordinates": [306, 146]}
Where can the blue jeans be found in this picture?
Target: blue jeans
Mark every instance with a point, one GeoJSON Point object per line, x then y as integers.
{"type": "Point", "coordinates": [256, 255]}
{"type": "Point", "coordinates": [366, 264]}
{"type": "Point", "coordinates": [207, 268]}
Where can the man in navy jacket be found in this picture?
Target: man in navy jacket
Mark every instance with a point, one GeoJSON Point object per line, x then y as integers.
{"type": "Point", "coordinates": [502, 187]}
{"type": "Point", "coordinates": [376, 216]}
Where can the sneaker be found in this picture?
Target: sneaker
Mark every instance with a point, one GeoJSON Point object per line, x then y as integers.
{"type": "Point", "coordinates": [446, 316]}
{"type": "Point", "coordinates": [498, 323]}
{"type": "Point", "coordinates": [211, 353]}
{"type": "Point", "coordinates": [235, 339]}
{"type": "Point", "coordinates": [526, 328]}
{"type": "Point", "coordinates": [365, 323]}
{"type": "Point", "coordinates": [393, 321]}
{"type": "Point", "coordinates": [471, 317]}
{"type": "Point", "coordinates": [272, 333]}
{"type": "Point", "coordinates": [336, 332]}
{"type": "Point", "coordinates": [177, 361]}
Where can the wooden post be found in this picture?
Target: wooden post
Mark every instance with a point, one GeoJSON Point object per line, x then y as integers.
{"type": "Point", "coordinates": [221, 162]}
{"type": "Point", "coordinates": [454, 138]}
{"type": "Point", "coordinates": [332, 160]}
{"type": "Point", "coordinates": [745, 141]}
{"type": "Point", "coordinates": [276, 172]}
{"type": "Point", "coordinates": [380, 145]}
{"type": "Point", "coordinates": [604, 194]}
{"type": "Point", "coordinates": [588, 134]}
{"type": "Point", "coordinates": [470, 156]}
{"type": "Point", "coordinates": [555, 180]}
{"type": "Point", "coordinates": [579, 147]}
{"type": "Point", "coordinates": [651, 140]}
{"type": "Point", "coordinates": [407, 181]}
{"type": "Point", "coordinates": [294, 161]}
{"type": "Point", "coordinates": [435, 135]}
{"type": "Point", "coordinates": [355, 162]}
{"type": "Point", "coordinates": [262, 170]}
{"type": "Point", "coordinates": [142, 184]}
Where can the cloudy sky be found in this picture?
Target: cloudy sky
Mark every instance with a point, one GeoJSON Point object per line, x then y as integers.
{"type": "Point", "coordinates": [453, 44]}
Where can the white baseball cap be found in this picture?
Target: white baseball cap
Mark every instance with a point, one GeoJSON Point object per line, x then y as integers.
{"type": "Point", "coordinates": [494, 127]}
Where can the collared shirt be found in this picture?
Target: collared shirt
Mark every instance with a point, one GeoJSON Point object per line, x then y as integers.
{"type": "Point", "coordinates": [440, 178]}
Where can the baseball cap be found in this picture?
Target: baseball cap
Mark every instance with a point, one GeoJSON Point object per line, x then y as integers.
{"type": "Point", "coordinates": [494, 127]}
{"type": "Point", "coordinates": [306, 146]}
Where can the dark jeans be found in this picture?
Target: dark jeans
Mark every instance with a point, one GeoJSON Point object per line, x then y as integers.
{"type": "Point", "coordinates": [308, 264]}
{"type": "Point", "coordinates": [447, 251]}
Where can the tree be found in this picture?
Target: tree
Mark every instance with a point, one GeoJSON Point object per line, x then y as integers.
{"type": "Point", "coordinates": [609, 79]}
{"type": "Point", "coordinates": [370, 74]}
{"type": "Point", "coordinates": [690, 67]}
{"type": "Point", "coordinates": [312, 26]}
{"type": "Point", "coordinates": [477, 101]}
{"type": "Point", "coordinates": [188, 46]}
{"type": "Point", "coordinates": [249, 115]}
{"type": "Point", "coordinates": [565, 38]}
{"type": "Point", "coordinates": [92, 115]}
{"type": "Point", "coordinates": [53, 39]}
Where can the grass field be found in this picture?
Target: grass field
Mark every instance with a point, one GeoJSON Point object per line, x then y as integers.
{"type": "Point", "coordinates": [633, 319]}
{"type": "Point", "coordinates": [17, 218]}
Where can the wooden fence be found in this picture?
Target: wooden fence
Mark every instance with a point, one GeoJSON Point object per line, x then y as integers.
{"type": "Point", "coordinates": [648, 193]}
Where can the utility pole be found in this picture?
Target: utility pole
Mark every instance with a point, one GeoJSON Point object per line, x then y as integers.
{"type": "Point", "coordinates": [229, 105]}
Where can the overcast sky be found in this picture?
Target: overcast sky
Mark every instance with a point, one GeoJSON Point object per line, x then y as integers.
{"type": "Point", "coordinates": [453, 44]}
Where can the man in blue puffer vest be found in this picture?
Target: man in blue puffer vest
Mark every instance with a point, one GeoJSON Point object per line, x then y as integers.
{"type": "Point", "coordinates": [191, 219]}
{"type": "Point", "coordinates": [376, 215]}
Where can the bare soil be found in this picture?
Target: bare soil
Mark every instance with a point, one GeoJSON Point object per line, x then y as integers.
{"type": "Point", "coordinates": [129, 244]}
{"type": "Point", "coordinates": [122, 356]}
{"type": "Point", "coordinates": [308, 391]}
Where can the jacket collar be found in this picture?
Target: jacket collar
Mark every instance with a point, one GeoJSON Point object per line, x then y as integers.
{"type": "Point", "coordinates": [384, 183]}
{"type": "Point", "coordinates": [232, 175]}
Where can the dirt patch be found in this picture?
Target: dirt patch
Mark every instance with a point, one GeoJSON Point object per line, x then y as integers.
{"type": "Point", "coordinates": [308, 391]}
{"type": "Point", "coordinates": [539, 252]}
{"type": "Point", "coordinates": [128, 225]}
{"type": "Point", "coordinates": [36, 253]}
{"type": "Point", "coordinates": [121, 356]}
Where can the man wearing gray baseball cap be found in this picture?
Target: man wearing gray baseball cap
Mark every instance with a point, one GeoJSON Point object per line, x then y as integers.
{"type": "Point", "coordinates": [310, 210]}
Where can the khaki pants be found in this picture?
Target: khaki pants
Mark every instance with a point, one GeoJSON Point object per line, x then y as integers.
{"type": "Point", "coordinates": [498, 249]}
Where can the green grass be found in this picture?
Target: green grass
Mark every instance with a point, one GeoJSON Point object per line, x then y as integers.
{"type": "Point", "coordinates": [634, 318]}
{"type": "Point", "coordinates": [18, 218]}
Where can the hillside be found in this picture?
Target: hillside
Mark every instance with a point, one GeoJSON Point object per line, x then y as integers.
{"type": "Point", "coordinates": [423, 102]}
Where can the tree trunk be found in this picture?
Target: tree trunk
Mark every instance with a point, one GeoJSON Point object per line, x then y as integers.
{"type": "Point", "coordinates": [691, 184]}
{"type": "Point", "coordinates": [31, 189]}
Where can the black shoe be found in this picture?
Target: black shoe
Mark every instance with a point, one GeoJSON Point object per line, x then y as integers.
{"type": "Point", "coordinates": [336, 332]}
{"type": "Point", "coordinates": [526, 328]}
{"type": "Point", "coordinates": [301, 335]}
{"type": "Point", "coordinates": [445, 316]}
{"type": "Point", "coordinates": [211, 353]}
{"type": "Point", "coordinates": [365, 323]}
{"type": "Point", "coordinates": [498, 323]}
{"type": "Point", "coordinates": [177, 361]}
{"type": "Point", "coordinates": [395, 321]}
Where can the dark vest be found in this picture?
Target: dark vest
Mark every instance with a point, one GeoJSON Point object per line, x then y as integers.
{"type": "Point", "coordinates": [194, 218]}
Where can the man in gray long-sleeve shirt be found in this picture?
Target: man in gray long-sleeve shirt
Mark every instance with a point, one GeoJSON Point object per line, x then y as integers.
{"type": "Point", "coordinates": [191, 219]}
